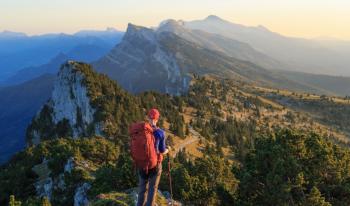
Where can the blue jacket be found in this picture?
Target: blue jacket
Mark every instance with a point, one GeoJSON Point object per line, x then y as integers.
{"type": "Point", "coordinates": [159, 135]}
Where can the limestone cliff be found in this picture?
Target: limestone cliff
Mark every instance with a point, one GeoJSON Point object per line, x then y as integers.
{"type": "Point", "coordinates": [83, 104]}
{"type": "Point", "coordinates": [69, 110]}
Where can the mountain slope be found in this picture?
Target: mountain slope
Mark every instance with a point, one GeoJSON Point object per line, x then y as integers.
{"type": "Point", "coordinates": [84, 52]}
{"type": "Point", "coordinates": [160, 60]}
{"type": "Point", "coordinates": [138, 63]}
{"type": "Point", "coordinates": [299, 54]}
{"type": "Point", "coordinates": [334, 84]}
{"type": "Point", "coordinates": [18, 105]}
{"type": "Point", "coordinates": [30, 73]}
{"type": "Point", "coordinates": [10, 34]}
{"type": "Point", "coordinates": [229, 46]}
{"type": "Point", "coordinates": [75, 108]}
{"type": "Point", "coordinates": [339, 46]}
{"type": "Point", "coordinates": [20, 51]}
{"type": "Point", "coordinates": [237, 128]}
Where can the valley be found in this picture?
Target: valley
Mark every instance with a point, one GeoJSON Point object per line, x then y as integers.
{"type": "Point", "coordinates": [219, 119]}
{"type": "Point", "coordinates": [252, 117]}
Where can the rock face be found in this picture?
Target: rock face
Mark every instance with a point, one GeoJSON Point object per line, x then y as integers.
{"type": "Point", "coordinates": [164, 60]}
{"type": "Point", "coordinates": [44, 189]}
{"type": "Point", "coordinates": [84, 104]}
{"type": "Point", "coordinates": [68, 112]}
{"type": "Point", "coordinates": [69, 166]}
{"type": "Point", "coordinates": [80, 197]}
{"type": "Point", "coordinates": [70, 99]}
{"type": "Point", "coordinates": [45, 183]}
{"type": "Point", "coordinates": [140, 62]}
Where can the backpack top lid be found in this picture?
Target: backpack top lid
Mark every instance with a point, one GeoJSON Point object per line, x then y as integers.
{"type": "Point", "coordinates": [140, 126]}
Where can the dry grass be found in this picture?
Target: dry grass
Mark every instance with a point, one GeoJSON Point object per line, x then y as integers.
{"type": "Point", "coordinates": [277, 115]}
{"type": "Point", "coordinates": [305, 96]}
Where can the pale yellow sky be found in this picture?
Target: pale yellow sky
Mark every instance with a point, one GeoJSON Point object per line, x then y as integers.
{"type": "Point", "coordinates": [299, 18]}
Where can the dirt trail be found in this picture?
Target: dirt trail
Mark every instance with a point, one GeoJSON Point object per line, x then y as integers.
{"type": "Point", "coordinates": [193, 137]}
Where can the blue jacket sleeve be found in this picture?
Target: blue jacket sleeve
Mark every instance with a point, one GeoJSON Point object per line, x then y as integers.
{"type": "Point", "coordinates": [160, 143]}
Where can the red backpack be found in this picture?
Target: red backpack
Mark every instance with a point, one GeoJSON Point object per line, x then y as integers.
{"type": "Point", "coordinates": [142, 146]}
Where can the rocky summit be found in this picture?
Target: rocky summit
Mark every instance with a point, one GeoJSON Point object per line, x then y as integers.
{"type": "Point", "coordinates": [140, 62]}
{"type": "Point", "coordinates": [69, 105]}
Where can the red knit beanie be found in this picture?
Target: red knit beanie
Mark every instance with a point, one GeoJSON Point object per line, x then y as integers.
{"type": "Point", "coordinates": [153, 114]}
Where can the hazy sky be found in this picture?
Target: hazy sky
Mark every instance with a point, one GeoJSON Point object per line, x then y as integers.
{"type": "Point", "coordinates": [302, 18]}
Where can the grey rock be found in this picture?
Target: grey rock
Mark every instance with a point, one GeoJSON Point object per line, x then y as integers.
{"type": "Point", "coordinates": [80, 196]}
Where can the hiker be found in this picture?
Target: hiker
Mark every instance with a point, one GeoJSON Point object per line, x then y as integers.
{"type": "Point", "coordinates": [147, 150]}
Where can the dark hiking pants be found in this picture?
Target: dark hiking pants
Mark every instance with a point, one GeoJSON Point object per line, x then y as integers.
{"type": "Point", "coordinates": [148, 186]}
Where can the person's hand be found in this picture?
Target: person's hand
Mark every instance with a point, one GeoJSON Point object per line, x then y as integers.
{"type": "Point", "coordinates": [166, 151]}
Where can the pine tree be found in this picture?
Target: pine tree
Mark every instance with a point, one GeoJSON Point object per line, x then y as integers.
{"type": "Point", "coordinates": [13, 201]}
{"type": "Point", "coordinates": [45, 202]}
{"type": "Point", "coordinates": [315, 198]}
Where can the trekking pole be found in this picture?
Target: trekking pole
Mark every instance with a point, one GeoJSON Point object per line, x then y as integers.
{"type": "Point", "coordinates": [170, 185]}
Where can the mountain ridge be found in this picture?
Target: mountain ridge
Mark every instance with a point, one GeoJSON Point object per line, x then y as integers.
{"type": "Point", "coordinates": [234, 122]}
{"type": "Point", "coordinates": [220, 43]}
{"type": "Point", "coordinates": [75, 106]}
{"type": "Point", "coordinates": [166, 54]}
{"type": "Point", "coordinates": [18, 105]}
{"type": "Point", "coordinates": [20, 52]}
{"type": "Point", "coordinates": [83, 52]}
{"type": "Point", "coordinates": [300, 54]}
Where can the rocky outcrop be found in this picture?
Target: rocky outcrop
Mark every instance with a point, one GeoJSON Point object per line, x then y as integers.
{"type": "Point", "coordinates": [69, 166]}
{"type": "Point", "coordinates": [44, 184]}
{"type": "Point", "coordinates": [44, 188]}
{"type": "Point", "coordinates": [80, 196]}
{"type": "Point", "coordinates": [141, 62]}
{"type": "Point", "coordinates": [129, 197]}
{"type": "Point", "coordinates": [68, 112]}
{"type": "Point", "coordinates": [70, 99]}
{"type": "Point", "coordinates": [47, 183]}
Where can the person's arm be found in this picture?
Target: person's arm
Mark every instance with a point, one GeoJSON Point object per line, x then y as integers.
{"type": "Point", "coordinates": [162, 148]}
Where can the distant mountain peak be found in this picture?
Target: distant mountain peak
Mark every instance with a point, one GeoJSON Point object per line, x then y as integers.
{"type": "Point", "coordinates": [111, 29]}
{"type": "Point", "coordinates": [213, 18]}
{"type": "Point", "coordinates": [171, 22]}
{"type": "Point", "coordinates": [7, 34]}
{"type": "Point", "coordinates": [91, 32]}
{"type": "Point", "coordinates": [262, 28]}
{"type": "Point", "coordinates": [171, 25]}
{"type": "Point", "coordinates": [133, 27]}
{"type": "Point", "coordinates": [134, 31]}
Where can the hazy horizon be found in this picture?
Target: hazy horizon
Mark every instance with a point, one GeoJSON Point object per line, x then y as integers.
{"type": "Point", "coordinates": [297, 18]}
